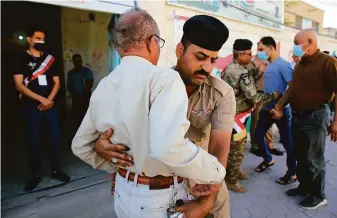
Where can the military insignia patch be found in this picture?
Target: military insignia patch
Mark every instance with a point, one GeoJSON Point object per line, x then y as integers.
{"type": "Point", "coordinates": [246, 81]}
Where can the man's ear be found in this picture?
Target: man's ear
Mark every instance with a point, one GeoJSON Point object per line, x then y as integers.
{"type": "Point", "coordinates": [29, 39]}
{"type": "Point", "coordinates": [180, 50]}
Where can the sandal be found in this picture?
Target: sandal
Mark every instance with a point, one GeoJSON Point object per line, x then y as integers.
{"type": "Point", "coordinates": [286, 180]}
{"type": "Point", "coordinates": [263, 166]}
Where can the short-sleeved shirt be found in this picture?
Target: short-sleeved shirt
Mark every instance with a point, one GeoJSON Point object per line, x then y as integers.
{"type": "Point", "coordinates": [211, 106]}
{"type": "Point", "coordinates": [314, 82]}
{"type": "Point", "coordinates": [276, 77]}
{"type": "Point", "coordinates": [76, 79]}
{"type": "Point", "coordinates": [28, 64]}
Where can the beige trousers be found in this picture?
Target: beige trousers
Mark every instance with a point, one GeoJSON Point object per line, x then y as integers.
{"type": "Point", "coordinates": [221, 207]}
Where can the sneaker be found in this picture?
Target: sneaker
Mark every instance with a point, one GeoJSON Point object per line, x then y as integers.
{"type": "Point", "coordinates": [295, 192]}
{"type": "Point", "coordinates": [32, 183]}
{"type": "Point", "coordinates": [236, 187]}
{"type": "Point", "coordinates": [276, 152]}
{"type": "Point", "coordinates": [59, 175]}
{"type": "Point", "coordinates": [311, 203]}
{"type": "Point", "coordinates": [242, 175]}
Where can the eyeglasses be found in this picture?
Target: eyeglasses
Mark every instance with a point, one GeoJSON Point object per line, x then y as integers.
{"type": "Point", "coordinates": [250, 54]}
{"type": "Point", "coordinates": [161, 41]}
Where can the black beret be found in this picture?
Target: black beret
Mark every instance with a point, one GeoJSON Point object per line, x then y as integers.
{"type": "Point", "coordinates": [206, 32]}
{"type": "Point", "coordinates": [242, 45]}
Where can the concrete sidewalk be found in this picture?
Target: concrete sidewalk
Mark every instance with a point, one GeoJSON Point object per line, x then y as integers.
{"type": "Point", "coordinates": [264, 198]}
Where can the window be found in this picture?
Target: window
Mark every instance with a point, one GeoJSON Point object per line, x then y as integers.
{"type": "Point", "coordinates": [306, 23]}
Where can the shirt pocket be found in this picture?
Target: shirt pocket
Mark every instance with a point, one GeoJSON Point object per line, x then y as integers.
{"type": "Point", "coordinates": [200, 119]}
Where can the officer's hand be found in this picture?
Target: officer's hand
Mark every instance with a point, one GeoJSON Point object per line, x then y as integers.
{"type": "Point", "coordinates": [108, 151]}
{"type": "Point", "coordinates": [202, 190]}
{"type": "Point", "coordinates": [193, 209]}
{"type": "Point", "coordinates": [333, 130]}
{"type": "Point", "coordinates": [276, 114]}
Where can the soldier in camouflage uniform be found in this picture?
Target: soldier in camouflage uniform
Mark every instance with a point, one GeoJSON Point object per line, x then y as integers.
{"type": "Point", "coordinates": [246, 95]}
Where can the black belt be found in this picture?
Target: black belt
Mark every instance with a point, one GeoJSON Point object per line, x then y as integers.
{"type": "Point", "coordinates": [308, 111]}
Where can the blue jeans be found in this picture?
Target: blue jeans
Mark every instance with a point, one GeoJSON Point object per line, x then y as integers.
{"type": "Point", "coordinates": [284, 126]}
{"type": "Point", "coordinates": [309, 134]}
{"type": "Point", "coordinates": [34, 120]}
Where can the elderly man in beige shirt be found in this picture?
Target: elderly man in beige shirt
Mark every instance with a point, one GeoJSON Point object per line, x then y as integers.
{"type": "Point", "coordinates": [146, 106]}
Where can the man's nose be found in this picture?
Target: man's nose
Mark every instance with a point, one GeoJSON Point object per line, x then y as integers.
{"type": "Point", "coordinates": [208, 67]}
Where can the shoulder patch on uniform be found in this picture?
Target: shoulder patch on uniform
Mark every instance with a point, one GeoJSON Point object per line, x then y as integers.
{"type": "Point", "coordinates": [218, 84]}
{"type": "Point", "coordinates": [245, 79]}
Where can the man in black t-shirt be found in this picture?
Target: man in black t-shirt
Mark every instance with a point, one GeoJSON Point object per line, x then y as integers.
{"type": "Point", "coordinates": [38, 82]}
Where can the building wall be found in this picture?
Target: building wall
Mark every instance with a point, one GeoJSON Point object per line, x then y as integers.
{"type": "Point", "coordinates": [87, 38]}
{"type": "Point", "coordinates": [330, 32]}
{"type": "Point", "coordinates": [302, 9]}
{"type": "Point", "coordinates": [164, 14]}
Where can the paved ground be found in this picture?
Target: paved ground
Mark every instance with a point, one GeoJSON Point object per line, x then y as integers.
{"type": "Point", "coordinates": [264, 197]}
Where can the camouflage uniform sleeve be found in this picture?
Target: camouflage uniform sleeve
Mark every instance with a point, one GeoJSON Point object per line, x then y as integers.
{"type": "Point", "coordinates": [249, 90]}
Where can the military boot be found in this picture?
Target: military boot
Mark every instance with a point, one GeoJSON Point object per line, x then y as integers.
{"type": "Point", "coordinates": [242, 175]}
{"type": "Point", "coordinates": [236, 187]}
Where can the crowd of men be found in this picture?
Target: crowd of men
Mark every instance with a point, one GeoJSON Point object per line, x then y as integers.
{"type": "Point", "coordinates": [173, 139]}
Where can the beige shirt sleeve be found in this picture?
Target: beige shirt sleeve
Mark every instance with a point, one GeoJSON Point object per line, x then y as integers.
{"type": "Point", "coordinates": [83, 146]}
{"type": "Point", "coordinates": [168, 126]}
{"type": "Point", "coordinates": [224, 112]}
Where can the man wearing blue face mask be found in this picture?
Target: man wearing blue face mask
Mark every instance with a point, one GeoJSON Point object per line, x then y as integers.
{"type": "Point", "coordinates": [315, 81]}
{"type": "Point", "coordinates": [277, 76]}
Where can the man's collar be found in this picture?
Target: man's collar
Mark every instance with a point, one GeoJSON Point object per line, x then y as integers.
{"type": "Point", "coordinates": [312, 57]}
{"type": "Point", "coordinates": [135, 58]}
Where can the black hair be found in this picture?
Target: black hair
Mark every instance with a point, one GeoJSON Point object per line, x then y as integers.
{"type": "Point", "coordinates": [268, 41]}
{"type": "Point", "coordinates": [77, 56]}
{"type": "Point", "coordinates": [30, 31]}
{"type": "Point", "coordinates": [186, 43]}
{"type": "Point", "coordinates": [326, 52]}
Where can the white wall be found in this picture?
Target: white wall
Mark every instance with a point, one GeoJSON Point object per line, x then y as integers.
{"type": "Point", "coordinates": [87, 38]}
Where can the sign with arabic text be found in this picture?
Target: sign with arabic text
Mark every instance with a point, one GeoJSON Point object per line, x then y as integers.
{"type": "Point", "coordinates": [266, 13]}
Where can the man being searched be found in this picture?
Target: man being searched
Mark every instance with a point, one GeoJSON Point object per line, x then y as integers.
{"type": "Point", "coordinates": [277, 77]}
{"type": "Point", "coordinates": [38, 82]}
{"type": "Point", "coordinates": [211, 109]}
{"type": "Point", "coordinates": [309, 97]}
{"type": "Point", "coordinates": [146, 106]}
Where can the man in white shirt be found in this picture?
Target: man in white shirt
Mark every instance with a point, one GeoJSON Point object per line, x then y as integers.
{"type": "Point", "coordinates": [211, 110]}
{"type": "Point", "coordinates": [146, 106]}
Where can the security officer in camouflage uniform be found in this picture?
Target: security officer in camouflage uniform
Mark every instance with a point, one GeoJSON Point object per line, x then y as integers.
{"type": "Point", "coordinates": [246, 95]}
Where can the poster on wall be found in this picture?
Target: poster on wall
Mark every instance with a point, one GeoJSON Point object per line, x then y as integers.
{"type": "Point", "coordinates": [267, 14]}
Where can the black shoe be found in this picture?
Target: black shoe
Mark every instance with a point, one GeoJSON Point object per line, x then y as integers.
{"type": "Point", "coordinates": [32, 183]}
{"type": "Point", "coordinates": [276, 152]}
{"type": "Point", "coordinates": [311, 203]}
{"type": "Point", "coordinates": [295, 192]}
{"type": "Point", "coordinates": [256, 151]}
{"type": "Point", "coordinates": [59, 175]}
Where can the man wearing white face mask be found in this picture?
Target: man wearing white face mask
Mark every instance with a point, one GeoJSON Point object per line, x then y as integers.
{"type": "Point", "coordinates": [38, 82]}
{"type": "Point", "coordinates": [315, 81]}
{"type": "Point", "coordinates": [277, 76]}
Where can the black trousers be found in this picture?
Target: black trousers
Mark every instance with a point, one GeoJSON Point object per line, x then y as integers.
{"type": "Point", "coordinates": [309, 134]}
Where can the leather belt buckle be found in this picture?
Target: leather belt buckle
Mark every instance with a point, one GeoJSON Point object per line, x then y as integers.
{"type": "Point", "coordinates": [159, 182]}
